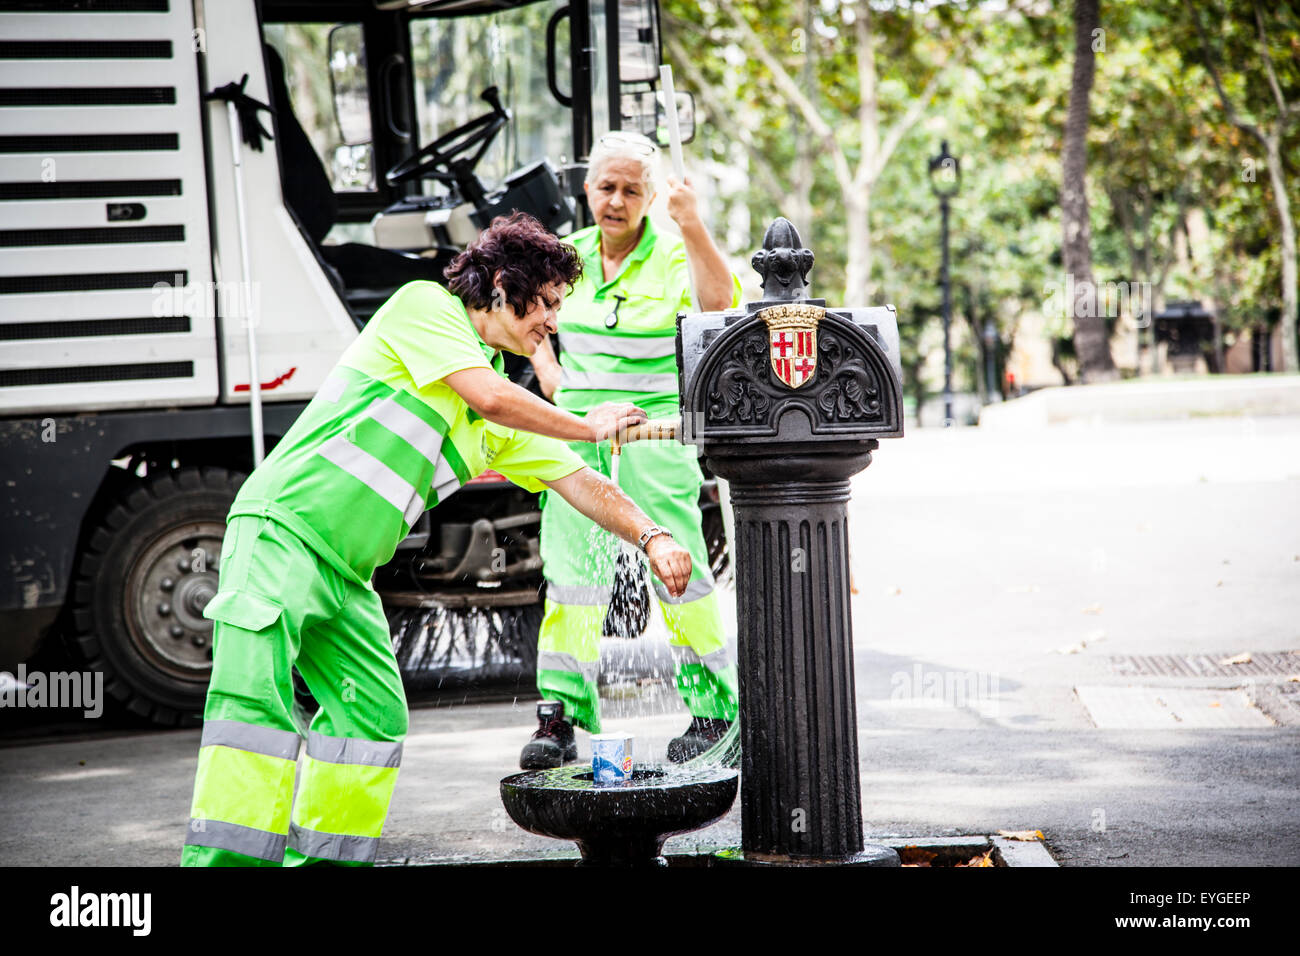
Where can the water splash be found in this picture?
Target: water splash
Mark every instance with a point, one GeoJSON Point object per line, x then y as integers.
{"type": "Point", "coordinates": [725, 753]}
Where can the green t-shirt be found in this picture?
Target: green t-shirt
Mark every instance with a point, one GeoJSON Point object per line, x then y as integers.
{"type": "Point", "coordinates": [636, 360]}
{"type": "Point", "coordinates": [385, 438]}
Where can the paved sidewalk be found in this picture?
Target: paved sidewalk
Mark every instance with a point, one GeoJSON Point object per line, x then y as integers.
{"type": "Point", "coordinates": [995, 576]}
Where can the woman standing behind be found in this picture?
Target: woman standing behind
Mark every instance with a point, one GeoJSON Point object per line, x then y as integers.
{"type": "Point", "coordinates": [617, 342]}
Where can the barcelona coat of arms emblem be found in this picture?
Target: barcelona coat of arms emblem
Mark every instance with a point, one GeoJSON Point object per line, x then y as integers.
{"type": "Point", "coordinates": [792, 337]}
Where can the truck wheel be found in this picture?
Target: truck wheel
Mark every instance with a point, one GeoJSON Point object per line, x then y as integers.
{"type": "Point", "coordinates": [147, 573]}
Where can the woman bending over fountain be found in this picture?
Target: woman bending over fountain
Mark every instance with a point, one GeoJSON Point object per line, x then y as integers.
{"type": "Point", "coordinates": [415, 408]}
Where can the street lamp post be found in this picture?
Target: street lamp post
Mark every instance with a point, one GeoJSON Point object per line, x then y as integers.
{"type": "Point", "coordinates": [945, 180]}
{"type": "Point", "coordinates": [990, 358]}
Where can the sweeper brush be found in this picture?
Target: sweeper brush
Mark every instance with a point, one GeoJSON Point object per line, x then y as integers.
{"type": "Point", "coordinates": [445, 642]}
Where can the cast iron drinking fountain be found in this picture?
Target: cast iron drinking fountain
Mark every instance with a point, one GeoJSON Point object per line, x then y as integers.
{"type": "Point", "coordinates": [786, 399]}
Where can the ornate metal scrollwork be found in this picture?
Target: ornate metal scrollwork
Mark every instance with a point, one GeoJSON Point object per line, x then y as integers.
{"type": "Point", "coordinates": [736, 396]}
{"type": "Point", "coordinates": [845, 388]}
{"type": "Point", "coordinates": [847, 392]}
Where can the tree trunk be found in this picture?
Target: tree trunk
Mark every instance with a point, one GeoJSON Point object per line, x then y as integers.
{"type": "Point", "coordinates": [857, 279]}
{"type": "Point", "coordinates": [1290, 360]}
{"type": "Point", "coordinates": [1090, 340]}
{"type": "Point", "coordinates": [803, 171]}
{"type": "Point", "coordinates": [801, 175]}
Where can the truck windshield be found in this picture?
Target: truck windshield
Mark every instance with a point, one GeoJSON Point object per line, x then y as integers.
{"type": "Point", "coordinates": [455, 60]}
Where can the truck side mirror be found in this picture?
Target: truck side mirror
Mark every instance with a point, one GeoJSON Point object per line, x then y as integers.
{"type": "Point", "coordinates": [348, 84]}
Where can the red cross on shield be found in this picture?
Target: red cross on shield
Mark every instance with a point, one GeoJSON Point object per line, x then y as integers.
{"type": "Point", "coordinates": [794, 354]}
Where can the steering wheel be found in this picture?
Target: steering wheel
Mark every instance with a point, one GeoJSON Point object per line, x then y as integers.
{"type": "Point", "coordinates": [441, 159]}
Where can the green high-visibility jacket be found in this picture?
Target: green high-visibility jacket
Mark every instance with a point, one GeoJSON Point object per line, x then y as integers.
{"type": "Point", "coordinates": [385, 438]}
{"type": "Point", "coordinates": [636, 359]}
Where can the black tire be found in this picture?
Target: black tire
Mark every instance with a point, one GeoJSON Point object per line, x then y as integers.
{"type": "Point", "coordinates": [147, 571]}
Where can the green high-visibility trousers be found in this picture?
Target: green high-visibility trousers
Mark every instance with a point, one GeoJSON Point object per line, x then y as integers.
{"type": "Point", "coordinates": [664, 479]}
{"type": "Point", "coordinates": [281, 606]}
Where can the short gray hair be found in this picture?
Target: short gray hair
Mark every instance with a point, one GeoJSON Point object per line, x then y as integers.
{"type": "Point", "coordinates": [625, 144]}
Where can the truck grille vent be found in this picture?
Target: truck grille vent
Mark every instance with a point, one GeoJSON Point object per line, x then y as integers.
{"type": "Point", "coordinates": [91, 189]}
{"type": "Point", "coordinates": [103, 208]}
{"type": "Point", "coordinates": [94, 373]}
{"type": "Point", "coordinates": [84, 328]}
{"type": "Point", "coordinates": [22, 285]}
{"type": "Point", "coordinates": [87, 6]}
{"type": "Point", "coordinates": [85, 49]}
{"type": "Point", "coordinates": [105, 142]}
{"type": "Point", "coordinates": [89, 96]}
{"type": "Point", "coordinates": [90, 235]}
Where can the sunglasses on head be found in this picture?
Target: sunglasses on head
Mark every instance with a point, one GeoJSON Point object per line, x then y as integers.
{"type": "Point", "coordinates": [617, 139]}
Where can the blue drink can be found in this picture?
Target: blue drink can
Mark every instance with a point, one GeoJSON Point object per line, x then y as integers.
{"type": "Point", "coordinates": [611, 758]}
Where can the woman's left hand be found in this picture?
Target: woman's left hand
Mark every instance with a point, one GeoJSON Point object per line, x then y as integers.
{"type": "Point", "coordinates": [681, 203]}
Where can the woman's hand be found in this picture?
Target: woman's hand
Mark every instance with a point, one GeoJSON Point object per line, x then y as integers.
{"type": "Point", "coordinates": [682, 206]}
{"type": "Point", "coordinates": [670, 562]}
{"type": "Point", "coordinates": [609, 419]}
{"type": "Point", "coordinates": [709, 273]}
{"type": "Point", "coordinates": [595, 496]}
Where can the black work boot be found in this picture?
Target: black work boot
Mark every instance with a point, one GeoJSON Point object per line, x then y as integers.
{"type": "Point", "coordinates": [702, 734]}
{"type": "Point", "coordinates": [553, 743]}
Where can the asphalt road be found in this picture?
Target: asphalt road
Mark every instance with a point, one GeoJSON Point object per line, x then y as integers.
{"type": "Point", "coordinates": [996, 574]}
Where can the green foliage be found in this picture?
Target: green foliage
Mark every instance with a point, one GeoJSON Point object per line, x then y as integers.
{"type": "Point", "coordinates": [1161, 150]}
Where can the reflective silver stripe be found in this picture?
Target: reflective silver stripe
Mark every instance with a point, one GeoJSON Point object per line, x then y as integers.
{"type": "Point", "coordinates": [697, 589]}
{"type": "Point", "coordinates": [619, 381]}
{"type": "Point", "coordinates": [579, 594]}
{"type": "Point", "coordinates": [716, 661]}
{"type": "Point", "coordinates": [623, 346]}
{"type": "Point", "coordinates": [557, 661]}
{"type": "Point", "coordinates": [250, 737]}
{"type": "Point", "coordinates": [409, 427]}
{"type": "Point", "coordinates": [445, 480]}
{"type": "Point", "coordinates": [333, 846]}
{"type": "Point", "coordinates": [332, 389]}
{"type": "Point", "coordinates": [261, 844]}
{"type": "Point", "coordinates": [353, 750]}
{"type": "Point", "coordinates": [372, 472]}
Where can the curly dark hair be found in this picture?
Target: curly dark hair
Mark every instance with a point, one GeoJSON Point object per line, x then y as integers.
{"type": "Point", "coordinates": [525, 257]}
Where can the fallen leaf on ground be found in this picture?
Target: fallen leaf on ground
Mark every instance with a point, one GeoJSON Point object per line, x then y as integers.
{"type": "Point", "coordinates": [1242, 658]}
{"type": "Point", "coordinates": [1215, 703]}
{"type": "Point", "coordinates": [915, 856]}
{"type": "Point", "coordinates": [1293, 679]}
{"type": "Point", "coordinates": [1094, 609]}
{"type": "Point", "coordinates": [1024, 835]}
{"type": "Point", "coordinates": [1072, 648]}
{"type": "Point", "coordinates": [985, 859]}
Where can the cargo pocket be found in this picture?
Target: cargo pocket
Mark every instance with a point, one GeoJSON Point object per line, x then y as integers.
{"type": "Point", "coordinates": [243, 609]}
{"type": "Point", "coordinates": [250, 657]}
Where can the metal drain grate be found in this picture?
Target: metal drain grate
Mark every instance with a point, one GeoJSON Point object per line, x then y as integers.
{"type": "Point", "coordinates": [1265, 664]}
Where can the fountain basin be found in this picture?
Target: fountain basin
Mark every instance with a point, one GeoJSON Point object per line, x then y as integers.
{"type": "Point", "coordinates": [621, 824]}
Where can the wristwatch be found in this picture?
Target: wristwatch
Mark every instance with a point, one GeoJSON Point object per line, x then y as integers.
{"type": "Point", "coordinates": [647, 534]}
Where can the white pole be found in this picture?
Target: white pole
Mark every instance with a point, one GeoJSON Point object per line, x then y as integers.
{"type": "Point", "coordinates": [679, 173]}
{"type": "Point", "coordinates": [245, 296]}
{"type": "Point", "coordinates": [675, 151]}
